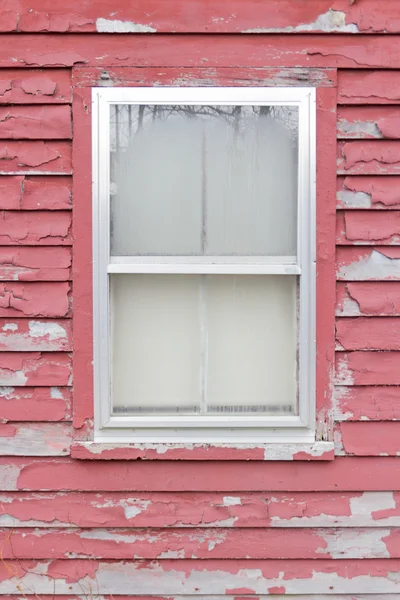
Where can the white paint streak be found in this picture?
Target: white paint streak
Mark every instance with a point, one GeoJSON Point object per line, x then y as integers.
{"type": "Point", "coordinates": [10, 327]}
{"type": "Point", "coordinates": [344, 376]}
{"type": "Point", "coordinates": [56, 393]}
{"type": "Point", "coordinates": [332, 20]}
{"type": "Point", "coordinates": [349, 199]}
{"type": "Point", "coordinates": [116, 579]}
{"type": "Point", "coordinates": [350, 308]}
{"type": "Point", "coordinates": [232, 500]}
{"type": "Point", "coordinates": [8, 477]}
{"type": "Point", "coordinates": [375, 266]}
{"type": "Point", "coordinates": [370, 502]}
{"type": "Point", "coordinates": [116, 26]}
{"type": "Point", "coordinates": [357, 128]}
{"type": "Point", "coordinates": [353, 543]}
{"type": "Point", "coordinates": [44, 439]}
{"type": "Point", "coordinates": [52, 331]}
{"type": "Point", "coordinates": [6, 392]}
{"type": "Point", "coordinates": [8, 377]}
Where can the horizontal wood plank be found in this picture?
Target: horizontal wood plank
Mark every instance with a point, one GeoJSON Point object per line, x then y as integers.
{"type": "Point", "coordinates": [35, 264]}
{"type": "Point", "coordinates": [368, 192]}
{"type": "Point", "coordinates": [197, 577]}
{"type": "Point", "coordinates": [364, 227]}
{"type": "Point", "coordinates": [368, 333]}
{"type": "Point", "coordinates": [202, 76]}
{"type": "Point", "coordinates": [361, 403]}
{"type": "Point", "coordinates": [35, 403]}
{"type": "Point", "coordinates": [355, 299]}
{"type": "Point", "coordinates": [220, 50]}
{"type": "Point", "coordinates": [368, 368]}
{"type": "Point", "coordinates": [380, 263]}
{"type": "Point", "coordinates": [35, 86]}
{"type": "Point", "coordinates": [24, 335]}
{"type": "Point", "coordinates": [368, 438]}
{"type": "Point", "coordinates": [364, 157]}
{"type": "Point", "coordinates": [63, 474]}
{"type": "Point", "coordinates": [35, 228]}
{"type": "Point", "coordinates": [189, 543]}
{"type": "Point", "coordinates": [35, 439]}
{"type": "Point", "coordinates": [368, 87]}
{"type": "Point", "coordinates": [35, 122]}
{"type": "Point", "coordinates": [214, 510]}
{"type": "Point", "coordinates": [197, 17]}
{"type": "Point", "coordinates": [35, 369]}
{"type": "Point", "coordinates": [35, 157]}
{"type": "Point", "coordinates": [369, 122]}
{"type": "Point", "coordinates": [43, 299]}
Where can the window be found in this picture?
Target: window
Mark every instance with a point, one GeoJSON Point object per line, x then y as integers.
{"type": "Point", "coordinates": [204, 264]}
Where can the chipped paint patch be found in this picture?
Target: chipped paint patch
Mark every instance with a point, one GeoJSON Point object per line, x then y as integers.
{"type": "Point", "coordinates": [116, 26]}
{"type": "Point", "coordinates": [329, 22]}
{"type": "Point", "coordinates": [372, 265]}
{"type": "Point", "coordinates": [163, 451]}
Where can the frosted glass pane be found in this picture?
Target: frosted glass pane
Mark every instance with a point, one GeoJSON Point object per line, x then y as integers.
{"type": "Point", "coordinates": [252, 344]}
{"type": "Point", "coordinates": [156, 344]}
{"type": "Point", "coordinates": [203, 180]}
{"type": "Point", "coordinates": [204, 344]}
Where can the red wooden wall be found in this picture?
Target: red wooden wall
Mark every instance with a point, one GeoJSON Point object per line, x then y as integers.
{"type": "Point", "coordinates": [76, 525]}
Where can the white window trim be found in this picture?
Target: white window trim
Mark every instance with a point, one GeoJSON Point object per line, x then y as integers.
{"type": "Point", "coordinates": [199, 429]}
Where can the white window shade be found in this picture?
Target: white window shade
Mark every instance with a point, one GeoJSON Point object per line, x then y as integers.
{"type": "Point", "coordinates": [204, 344]}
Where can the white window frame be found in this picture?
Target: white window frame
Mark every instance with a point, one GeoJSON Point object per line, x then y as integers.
{"type": "Point", "coordinates": [207, 429]}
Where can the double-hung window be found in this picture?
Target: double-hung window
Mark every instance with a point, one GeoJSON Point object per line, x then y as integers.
{"type": "Point", "coordinates": [204, 264]}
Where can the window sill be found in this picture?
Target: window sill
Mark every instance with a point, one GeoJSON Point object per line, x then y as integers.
{"type": "Point", "coordinates": [164, 451]}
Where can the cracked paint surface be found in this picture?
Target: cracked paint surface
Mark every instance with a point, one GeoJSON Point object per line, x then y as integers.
{"type": "Point", "coordinates": [80, 519]}
{"type": "Point", "coordinates": [323, 16]}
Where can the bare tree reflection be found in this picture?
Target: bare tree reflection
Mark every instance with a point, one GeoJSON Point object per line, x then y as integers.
{"type": "Point", "coordinates": [128, 119]}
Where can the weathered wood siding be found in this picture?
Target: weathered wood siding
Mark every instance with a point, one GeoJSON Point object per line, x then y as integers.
{"type": "Point", "coordinates": [74, 524]}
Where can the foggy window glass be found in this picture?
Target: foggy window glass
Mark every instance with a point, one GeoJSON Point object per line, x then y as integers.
{"type": "Point", "coordinates": [203, 180]}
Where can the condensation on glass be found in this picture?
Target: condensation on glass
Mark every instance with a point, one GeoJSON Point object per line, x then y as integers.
{"type": "Point", "coordinates": [203, 181]}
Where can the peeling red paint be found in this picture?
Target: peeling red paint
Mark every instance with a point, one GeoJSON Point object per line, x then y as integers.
{"type": "Point", "coordinates": [165, 451]}
{"type": "Point", "coordinates": [37, 156]}
{"type": "Point", "coordinates": [370, 298]}
{"type": "Point", "coordinates": [221, 17]}
{"type": "Point", "coordinates": [32, 335]}
{"type": "Point", "coordinates": [18, 192]}
{"type": "Point", "coordinates": [367, 227]}
{"type": "Point", "coordinates": [371, 438]}
{"type": "Point", "coordinates": [364, 264]}
{"type": "Point", "coordinates": [225, 535]}
{"type": "Point", "coordinates": [341, 474]}
{"type": "Point", "coordinates": [368, 192]}
{"type": "Point", "coordinates": [369, 87]}
{"type": "Point", "coordinates": [360, 403]}
{"type": "Point", "coordinates": [35, 404]}
{"type": "Point", "coordinates": [35, 369]}
{"type": "Point", "coordinates": [368, 333]}
{"type": "Point", "coordinates": [368, 368]}
{"type": "Point", "coordinates": [34, 299]}
{"type": "Point", "coordinates": [35, 264]}
{"type": "Point", "coordinates": [47, 86]}
{"type": "Point", "coordinates": [203, 577]}
{"type": "Point", "coordinates": [369, 158]}
{"type": "Point", "coordinates": [202, 76]}
{"type": "Point", "coordinates": [246, 50]}
{"type": "Point", "coordinates": [35, 228]}
{"type": "Point", "coordinates": [35, 122]}
{"type": "Point", "coordinates": [174, 543]}
{"type": "Point", "coordinates": [355, 122]}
